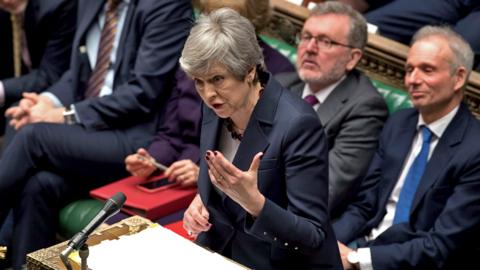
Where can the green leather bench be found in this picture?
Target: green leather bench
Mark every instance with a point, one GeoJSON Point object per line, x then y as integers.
{"type": "Point", "coordinates": [77, 214]}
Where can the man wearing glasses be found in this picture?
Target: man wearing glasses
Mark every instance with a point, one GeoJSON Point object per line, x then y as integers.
{"type": "Point", "coordinates": [350, 108]}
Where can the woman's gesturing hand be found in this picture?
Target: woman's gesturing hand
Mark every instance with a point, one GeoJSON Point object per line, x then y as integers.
{"type": "Point", "coordinates": [240, 186]}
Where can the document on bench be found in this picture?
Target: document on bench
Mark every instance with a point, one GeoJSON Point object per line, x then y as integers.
{"type": "Point", "coordinates": [155, 248]}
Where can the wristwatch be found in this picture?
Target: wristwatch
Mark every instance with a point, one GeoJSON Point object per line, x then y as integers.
{"type": "Point", "coordinates": [353, 258]}
{"type": "Point", "coordinates": [69, 116]}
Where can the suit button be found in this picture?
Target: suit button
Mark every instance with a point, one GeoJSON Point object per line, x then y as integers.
{"type": "Point", "coordinates": [286, 244]}
{"type": "Point", "coordinates": [264, 233]}
{"type": "Point", "coordinates": [274, 239]}
{"type": "Point", "coordinates": [296, 248]}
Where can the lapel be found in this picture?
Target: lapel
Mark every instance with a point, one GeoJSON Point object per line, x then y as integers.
{"type": "Point", "coordinates": [123, 38]}
{"type": "Point", "coordinates": [89, 16]}
{"type": "Point", "coordinates": [210, 134]}
{"type": "Point", "coordinates": [31, 19]}
{"type": "Point", "coordinates": [400, 147]}
{"type": "Point", "coordinates": [442, 154]}
{"type": "Point", "coordinates": [297, 88]}
{"type": "Point", "coordinates": [334, 102]}
{"type": "Point", "coordinates": [256, 134]}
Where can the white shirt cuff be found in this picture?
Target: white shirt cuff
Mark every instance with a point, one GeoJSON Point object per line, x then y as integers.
{"type": "Point", "coordinates": [365, 259]}
{"type": "Point", "coordinates": [56, 102]}
{"type": "Point", "coordinates": [2, 94]}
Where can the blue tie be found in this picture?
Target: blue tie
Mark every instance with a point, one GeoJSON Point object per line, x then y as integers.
{"type": "Point", "coordinates": [414, 175]}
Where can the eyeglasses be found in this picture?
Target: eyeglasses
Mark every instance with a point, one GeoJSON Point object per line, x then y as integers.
{"type": "Point", "coordinates": [321, 42]}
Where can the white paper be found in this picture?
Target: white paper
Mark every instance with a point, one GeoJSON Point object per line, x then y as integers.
{"type": "Point", "coordinates": [155, 248]}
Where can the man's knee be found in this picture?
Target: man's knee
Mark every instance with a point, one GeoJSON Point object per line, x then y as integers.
{"type": "Point", "coordinates": [41, 186]}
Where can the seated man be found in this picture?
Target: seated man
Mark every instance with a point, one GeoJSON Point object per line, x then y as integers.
{"type": "Point", "coordinates": [107, 105]}
{"type": "Point", "coordinates": [36, 42]}
{"type": "Point", "coordinates": [350, 108]}
{"type": "Point", "coordinates": [418, 206]}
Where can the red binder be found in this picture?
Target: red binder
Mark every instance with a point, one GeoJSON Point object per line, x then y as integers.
{"type": "Point", "coordinates": [147, 200]}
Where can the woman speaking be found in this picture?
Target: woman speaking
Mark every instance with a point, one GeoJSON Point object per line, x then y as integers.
{"type": "Point", "coordinates": [263, 181]}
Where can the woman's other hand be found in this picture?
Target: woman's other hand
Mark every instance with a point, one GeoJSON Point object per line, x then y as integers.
{"type": "Point", "coordinates": [195, 218]}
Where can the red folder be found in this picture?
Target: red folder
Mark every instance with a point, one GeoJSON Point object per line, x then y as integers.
{"type": "Point", "coordinates": [150, 203]}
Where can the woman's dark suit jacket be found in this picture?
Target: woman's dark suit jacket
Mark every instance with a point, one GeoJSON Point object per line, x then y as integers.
{"type": "Point", "coordinates": [293, 229]}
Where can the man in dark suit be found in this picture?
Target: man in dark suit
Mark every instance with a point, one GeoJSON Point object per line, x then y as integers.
{"type": "Point", "coordinates": [418, 206]}
{"type": "Point", "coordinates": [108, 104]}
{"type": "Point", "coordinates": [46, 42]}
{"type": "Point", "coordinates": [351, 110]}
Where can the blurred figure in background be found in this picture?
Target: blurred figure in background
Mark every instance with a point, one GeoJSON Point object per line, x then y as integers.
{"type": "Point", "coordinates": [36, 39]}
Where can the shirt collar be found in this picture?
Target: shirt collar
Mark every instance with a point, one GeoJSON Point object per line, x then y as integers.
{"type": "Point", "coordinates": [323, 93]}
{"type": "Point", "coordinates": [439, 126]}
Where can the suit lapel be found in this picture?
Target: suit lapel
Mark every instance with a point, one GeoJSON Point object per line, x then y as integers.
{"type": "Point", "coordinates": [256, 135]}
{"type": "Point", "coordinates": [297, 88]}
{"type": "Point", "coordinates": [442, 154]}
{"type": "Point", "coordinates": [90, 16]}
{"type": "Point", "coordinates": [31, 19]}
{"type": "Point", "coordinates": [126, 29]}
{"type": "Point", "coordinates": [334, 102]}
{"type": "Point", "coordinates": [400, 146]}
{"type": "Point", "coordinates": [210, 133]}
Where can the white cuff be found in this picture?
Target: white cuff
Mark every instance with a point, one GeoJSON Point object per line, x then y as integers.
{"type": "Point", "coordinates": [56, 102]}
{"type": "Point", "coordinates": [365, 259]}
{"type": "Point", "coordinates": [2, 94]}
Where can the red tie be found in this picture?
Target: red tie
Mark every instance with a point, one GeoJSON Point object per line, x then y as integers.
{"type": "Point", "coordinates": [97, 78]}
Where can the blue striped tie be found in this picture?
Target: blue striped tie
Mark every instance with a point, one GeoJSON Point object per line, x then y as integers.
{"type": "Point", "coordinates": [402, 212]}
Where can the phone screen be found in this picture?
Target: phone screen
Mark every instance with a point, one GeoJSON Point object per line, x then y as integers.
{"type": "Point", "coordinates": [156, 183]}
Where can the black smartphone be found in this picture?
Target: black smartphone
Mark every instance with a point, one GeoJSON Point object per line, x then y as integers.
{"type": "Point", "coordinates": [155, 184]}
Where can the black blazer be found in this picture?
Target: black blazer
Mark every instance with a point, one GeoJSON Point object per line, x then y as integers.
{"type": "Point", "coordinates": [443, 230]}
{"type": "Point", "coordinates": [49, 28]}
{"type": "Point", "coordinates": [150, 45]}
{"type": "Point", "coordinates": [293, 230]}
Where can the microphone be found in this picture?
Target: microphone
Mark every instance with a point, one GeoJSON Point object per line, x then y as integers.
{"type": "Point", "coordinates": [111, 207]}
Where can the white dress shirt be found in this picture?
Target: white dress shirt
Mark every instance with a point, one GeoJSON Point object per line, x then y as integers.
{"type": "Point", "coordinates": [2, 94]}
{"type": "Point", "coordinates": [322, 94]}
{"type": "Point", "coordinates": [437, 128]}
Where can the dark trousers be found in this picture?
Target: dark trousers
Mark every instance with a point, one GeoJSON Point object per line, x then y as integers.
{"type": "Point", "coordinates": [47, 166]}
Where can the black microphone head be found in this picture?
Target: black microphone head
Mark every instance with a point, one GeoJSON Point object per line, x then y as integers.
{"type": "Point", "coordinates": [119, 199]}
{"type": "Point", "coordinates": [114, 204]}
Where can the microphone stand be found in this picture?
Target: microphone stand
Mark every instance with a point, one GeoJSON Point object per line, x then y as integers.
{"type": "Point", "coordinates": [83, 252]}
{"type": "Point", "coordinates": [64, 257]}
{"type": "Point", "coordinates": [78, 241]}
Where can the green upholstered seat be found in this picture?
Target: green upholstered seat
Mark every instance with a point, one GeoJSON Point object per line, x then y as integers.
{"type": "Point", "coordinates": [396, 99]}
{"type": "Point", "coordinates": [284, 48]}
{"type": "Point", "coordinates": [76, 215]}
